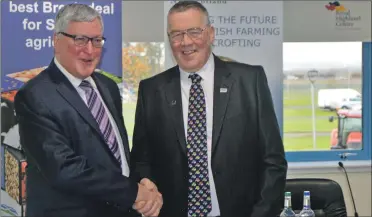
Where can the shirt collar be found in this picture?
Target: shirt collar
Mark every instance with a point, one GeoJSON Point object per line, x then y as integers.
{"type": "Point", "coordinates": [74, 80]}
{"type": "Point", "coordinates": [206, 72]}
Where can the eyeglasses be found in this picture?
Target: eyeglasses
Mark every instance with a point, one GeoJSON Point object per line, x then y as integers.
{"type": "Point", "coordinates": [193, 33]}
{"type": "Point", "coordinates": [81, 40]}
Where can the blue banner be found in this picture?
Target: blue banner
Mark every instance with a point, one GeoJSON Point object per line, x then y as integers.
{"type": "Point", "coordinates": [27, 37]}
{"type": "Point", "coordinates": [27, 29]}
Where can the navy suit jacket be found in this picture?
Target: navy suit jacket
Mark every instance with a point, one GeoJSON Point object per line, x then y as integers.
{"type": "Point", "coordinates": [71, 171]}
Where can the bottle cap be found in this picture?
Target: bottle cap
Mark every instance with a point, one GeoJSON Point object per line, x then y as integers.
{"type": "Point", "coordinates": [287, 194]}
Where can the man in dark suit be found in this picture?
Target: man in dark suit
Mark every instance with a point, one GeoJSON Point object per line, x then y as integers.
{"type": "Point", "coordinates": [72, 130]}
{"type": "Point", "coordinates": [205, 132]}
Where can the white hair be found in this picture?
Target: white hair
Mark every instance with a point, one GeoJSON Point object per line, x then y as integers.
{"type": "Point", "coordinates": [75, 13]}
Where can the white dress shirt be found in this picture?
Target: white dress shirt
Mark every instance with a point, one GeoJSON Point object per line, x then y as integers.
{"type": "Point", "coordinates": [207, 82]}
{"type": "Point", "coordinates": [76, 82]}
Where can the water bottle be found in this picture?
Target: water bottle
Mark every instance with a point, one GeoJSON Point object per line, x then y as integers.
{"type": "Point", "coordinates": [307, 211]}
{"type": "Point", "coordinates": [287, 211]}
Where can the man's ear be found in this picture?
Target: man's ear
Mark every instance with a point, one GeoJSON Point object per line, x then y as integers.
{"type": "Point", "coordinates": [56, 42]}
{"type": "Point", "coordinates": [211, 34]}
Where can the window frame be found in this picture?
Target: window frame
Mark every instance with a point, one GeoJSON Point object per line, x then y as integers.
{"type": "Point", "coordinates": [334, 155]}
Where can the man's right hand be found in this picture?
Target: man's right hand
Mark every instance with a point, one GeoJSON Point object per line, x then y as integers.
{"type": "Point", "coordinates": [149, 201]}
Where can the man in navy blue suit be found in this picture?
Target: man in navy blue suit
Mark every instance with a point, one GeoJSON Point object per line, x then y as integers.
{"type": "Point", "coordinates": [72, 131]}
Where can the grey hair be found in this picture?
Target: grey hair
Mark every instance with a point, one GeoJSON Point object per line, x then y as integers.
{"type": "Point", "coordinates": [75, 13]}
{"type": "Point", "coordinates": [182, 6]}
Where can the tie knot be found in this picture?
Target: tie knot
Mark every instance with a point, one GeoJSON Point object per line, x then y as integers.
{"type": "Point", "coordinates": [85, 84]}
{"type": "Point", "coordinates": [195, 78]}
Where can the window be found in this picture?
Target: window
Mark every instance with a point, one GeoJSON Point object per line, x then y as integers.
{"type": "Point", "coordinates": [327, 101]}
{"type": "Point", "coordinates": [140, 60]}
{"type": "Point", "coordinates": [341, 75]}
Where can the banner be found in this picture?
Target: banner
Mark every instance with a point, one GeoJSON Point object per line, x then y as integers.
{"type": "Point", "coordinates": [26, 49]}
{"type": "Point", "coordinates": [249, 32]}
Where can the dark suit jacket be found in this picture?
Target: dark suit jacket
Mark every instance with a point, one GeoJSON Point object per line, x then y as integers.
{"type": "Point", "coordinates": [248, 160]}
{"type": "Point", "coordinates": [71, 171]}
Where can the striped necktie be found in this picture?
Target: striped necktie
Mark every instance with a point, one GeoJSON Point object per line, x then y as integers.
{"type": "Point", "coordinates": [99, 113]}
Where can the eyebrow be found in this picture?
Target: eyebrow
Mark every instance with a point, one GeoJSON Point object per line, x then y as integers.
{"type": "Point", "coordinates": [185, 29]}
{"type": "Point", "coordinates": [94, 36]}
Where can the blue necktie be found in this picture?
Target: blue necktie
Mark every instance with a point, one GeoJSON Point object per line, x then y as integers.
{"type": "Point", "coordinates": [199, 198]}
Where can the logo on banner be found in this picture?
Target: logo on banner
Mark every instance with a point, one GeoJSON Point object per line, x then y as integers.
{"type": "Point", "coordinates": [336, 6]}
{"type": "Point", "coordinates": [344, 18]}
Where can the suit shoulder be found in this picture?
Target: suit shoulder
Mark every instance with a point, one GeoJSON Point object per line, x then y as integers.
{"type": "Point", "coordinates": [36, 91]}
{"type": "Point", "coordinates": [104, 78]}
{"type": "Point", "coordinates": [37, 84]}
{"type": "Point", "coordinates": [237, 67]}
{"type": "Point", "coordinates": [160, 78]}
{"type": "Point", "coordinates": [243, 71]}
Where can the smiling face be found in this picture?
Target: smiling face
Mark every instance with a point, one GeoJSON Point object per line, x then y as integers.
{"type": "Point", "coordinates": [80, 61]}
{"type": "Point", "coordinates": [193, 50]}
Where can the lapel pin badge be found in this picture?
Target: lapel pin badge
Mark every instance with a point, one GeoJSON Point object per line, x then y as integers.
{"type": "Point", "coordinates": [174, 102]}
{"type": "Point", "coordinates": [223, 90]}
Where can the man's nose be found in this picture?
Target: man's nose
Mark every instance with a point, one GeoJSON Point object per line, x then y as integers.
{"type": "Point", "coordinates": [186, 39]}
{"type": "Point", "coordinates": [89, 47]}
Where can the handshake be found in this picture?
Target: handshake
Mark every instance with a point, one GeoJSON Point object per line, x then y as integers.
{"type": "Point", "coordinates": [149, 201]}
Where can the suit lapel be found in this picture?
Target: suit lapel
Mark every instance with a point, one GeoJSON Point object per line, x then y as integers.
{"type": "Point", "coordinates": [69, 93]}
{"type": "Point", "coordinates": [106, 96]}
{"type": "Point", "coordinates": [223, 83]}
{"type": "Point", "coordinates": [174, 101]}
{"type": "Point", "coordinates": [72, 97]}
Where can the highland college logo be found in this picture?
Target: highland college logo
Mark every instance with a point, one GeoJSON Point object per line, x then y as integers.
{"type": "Point", "coordinates": [343, 16]}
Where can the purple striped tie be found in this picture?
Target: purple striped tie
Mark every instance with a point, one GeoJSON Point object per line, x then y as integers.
{"type": "Point", "coordinates": [99, 113]}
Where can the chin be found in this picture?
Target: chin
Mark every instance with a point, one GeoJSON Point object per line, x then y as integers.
{"type": "Point", "coordinates": [86, 70]}
{"type": "Point", "coordinates": [192, 68]}
{"type": "Point", "coordinates": [88, 73]}
{"type": "Point", "coordinates": [84, 74]}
